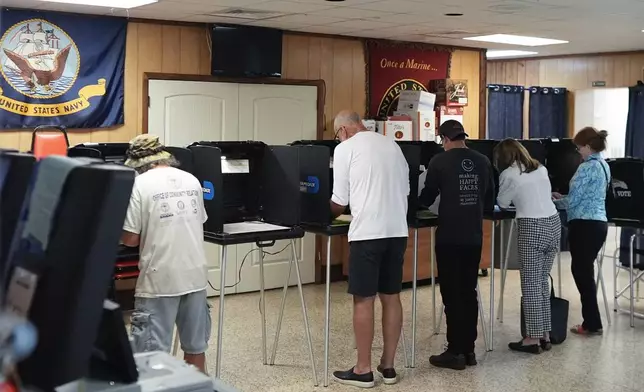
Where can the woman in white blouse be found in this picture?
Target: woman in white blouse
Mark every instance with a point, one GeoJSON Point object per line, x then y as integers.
{"type": "Point", "coordinates": [525, 184]}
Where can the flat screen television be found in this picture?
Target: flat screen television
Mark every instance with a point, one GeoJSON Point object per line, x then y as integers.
{"type": "Point", "coordinates": [245, 51]}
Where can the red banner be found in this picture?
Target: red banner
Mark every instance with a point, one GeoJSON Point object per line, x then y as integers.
{"type": "Point", "coordinates": [394, 67]}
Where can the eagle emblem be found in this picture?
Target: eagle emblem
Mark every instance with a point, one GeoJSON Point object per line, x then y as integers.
{"type": "Point", "coordinates": [38, 59]}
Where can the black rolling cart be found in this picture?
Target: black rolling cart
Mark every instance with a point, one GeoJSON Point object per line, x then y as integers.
{"type": "Point", "coordinates": [253, 199]}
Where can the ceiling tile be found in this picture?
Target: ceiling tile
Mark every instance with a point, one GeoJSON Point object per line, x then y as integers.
{"type": "Point", "coordinates": [20, 3]}
{"type": "Point", "coordinates": [290, 7]}
{"type": "Point", "coordinates": [178, 5]}
{"type": "Point", "coordinates": [225, 3]}
{"type": "Point", "coordinates": [212, 19]}
{"type": "Point", "coordinates": [403, 6]}
{"type": "Point", "coordinates": [357, 25]}
{"type": "Point", "coordinates": [307, 19]}
{"type": "Point", "coordinates": [351, 13]}
{"type": "Point", "coordinates": [325, 29]}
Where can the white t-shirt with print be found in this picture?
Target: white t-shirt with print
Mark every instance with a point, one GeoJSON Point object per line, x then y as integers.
{"type": "Point", "coordinates": [166, 209]}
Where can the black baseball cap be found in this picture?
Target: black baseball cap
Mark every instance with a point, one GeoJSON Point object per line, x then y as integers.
{"type": "Point", "coordinates": [452, 129]}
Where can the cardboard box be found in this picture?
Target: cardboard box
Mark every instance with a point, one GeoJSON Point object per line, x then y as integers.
{"type": "Point", "coordinates": [424, 124]}
{"type": "Point", "coordinates": [449, 92]}
{"type": "Point", "coordinates": [416, 101]}
{"type": "Point", "coordinates": [397, 129]}
{"type": "Point", "coordinates": [450, 113]}
{"type": "Point", "coordinates": [370, 124]}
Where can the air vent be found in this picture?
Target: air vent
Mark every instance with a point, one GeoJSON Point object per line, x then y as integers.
{"type": "Point", "coordinates": [248, 14]}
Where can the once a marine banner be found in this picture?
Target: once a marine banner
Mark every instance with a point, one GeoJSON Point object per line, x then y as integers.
{"type": "Point", "coordinates": [394, 67]}
{"type": "Point", "coordinates": [61, 69]}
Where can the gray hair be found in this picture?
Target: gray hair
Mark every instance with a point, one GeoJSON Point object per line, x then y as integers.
{"type": "Point", "coordinates": [172, 162]}
{"type": "Point", "coordinates": [347, 118]}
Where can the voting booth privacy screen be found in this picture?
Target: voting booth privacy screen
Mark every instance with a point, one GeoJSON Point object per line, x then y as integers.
{"type": "Point", "coordinates": [626, 190]}
{"type": "Point", "coordinates": [315, 181]}
{"type": "Point", "coordinates": [562, 161]}
{"type": "Point", "coordinates": [247, 181]}
{"type": "Point", "coordinates": [70, 202]}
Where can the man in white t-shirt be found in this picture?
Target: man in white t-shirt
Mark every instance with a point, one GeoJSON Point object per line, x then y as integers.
{"type": "Point", "coordinates": [371, 175]}
{"type": "Point", "coordinates": [165, 220]}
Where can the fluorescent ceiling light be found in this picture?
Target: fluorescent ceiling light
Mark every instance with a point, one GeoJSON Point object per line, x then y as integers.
{"type": "Point", "coordinates": [107, 3]}
{"type": "Point", "coordinates": [516, 40]}
{"type": "Point", "coordinates": [495, 54]}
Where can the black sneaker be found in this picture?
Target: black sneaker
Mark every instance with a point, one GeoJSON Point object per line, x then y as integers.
{"type": "Point", "coordinates": [348, 377]}
{"type": "Point", "coordinates": [448, 360]}
{"type": "Point", "coordinates": [470, 359]}
{"type": "Point", "coordinates": [389, 376]}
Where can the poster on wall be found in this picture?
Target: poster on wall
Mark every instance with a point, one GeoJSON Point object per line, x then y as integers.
{"type": "Point", "coordinates": [394, 67]}
{"type": "Point", "coordinates": [61, 69]}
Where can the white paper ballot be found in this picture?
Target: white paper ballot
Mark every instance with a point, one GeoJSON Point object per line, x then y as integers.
{"type": "Point", "coordinates": [235, 166]}
{"type": "Point", "coordinates": [251, 227]}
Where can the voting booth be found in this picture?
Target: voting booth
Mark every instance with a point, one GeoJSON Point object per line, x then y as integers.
{"type": "Point", "coordinates": [251, 195]}
{"type": "Point", "coordinates": [562, 161]}
{"type": "Point", "coordinates": [536, 148]}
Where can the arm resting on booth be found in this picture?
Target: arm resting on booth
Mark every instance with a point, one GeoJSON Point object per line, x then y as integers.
{"type": "Point", "coordinates": [431, 190]}
{"type": "Point", "coordinates": [507, 188]}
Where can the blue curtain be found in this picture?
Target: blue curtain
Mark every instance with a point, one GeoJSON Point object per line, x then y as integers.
{"type": "Point", "coordinates": [634, 148]}
{"type": "Point", "coordinates": [505, 112]}
{"type": "Point", "coordinates": [548, 114]}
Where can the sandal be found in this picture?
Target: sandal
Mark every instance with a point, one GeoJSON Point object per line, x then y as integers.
{"type": "Point", "coordinates": [580, 330]}
{"type": "Point", "coordinates": [546, 345]}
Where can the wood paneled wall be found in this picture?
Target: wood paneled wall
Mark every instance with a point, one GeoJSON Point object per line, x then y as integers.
{"type": "Point", "coordinates": [573, 73]}
{"type": "Point", "coordinates": [149, 48]}
{"type": "Point", "coordinates": [168, 48]}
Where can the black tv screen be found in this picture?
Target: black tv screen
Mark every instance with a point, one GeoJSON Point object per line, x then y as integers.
{"type": "Point", "coordinates": [244, 51]}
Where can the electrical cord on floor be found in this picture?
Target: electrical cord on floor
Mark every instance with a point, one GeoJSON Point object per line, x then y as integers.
{"type": "Point", "coordinates": [239, 272]}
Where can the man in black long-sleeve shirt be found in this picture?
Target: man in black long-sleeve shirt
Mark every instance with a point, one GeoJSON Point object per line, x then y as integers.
{"type": "Point", "coordinates": [464, 180]}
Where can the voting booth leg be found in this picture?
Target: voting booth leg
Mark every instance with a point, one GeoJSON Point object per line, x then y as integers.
{"type": "Point", "coordinates": [491, 339]}
{"type": "Point", "coordinates": [327, 311]}
{"type": "Point", "coordinates": [413, 302]}
{"type": "Point", "coordinates": [482, 320]}
{"type": "Point", "coordinates": [304, 313]}
{"type": "Point", "coordinates": [262, 301]}
{"type": "Point", "coordinates": [278, 328]}
{"type": "Point", "coordinates": [404, 346]}
{"type": "Point", "coordinates": [432, 261]}
{"type": "Point", "coordinates": [220, 325]}
{"type": "Point", "coordinates": [504, 270]}
{"type": "Point", "coordinates": [632, 281]}
{"type": "Point", "coordinates": [600, 281]}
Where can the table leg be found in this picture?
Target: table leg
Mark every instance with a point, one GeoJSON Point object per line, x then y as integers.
{"type": "Point", "coordinates": [482, 318]}
{"type": "Point", "coordinates": [220, 325]}
{"type": "Point", "coordinates": [278, 329]}
{"type": "Point", "coordinates": [504, 269]}
{"type": "Point", "coordinates": [600, 281]}
{"type": "Point", "coordinates": [307, 330]}
{"type": "Point", "coordinates": [432, 261]}
{"type": "Point", "coordinates": [262, 299]}
{"type": "Point", "coordinates": [492, 289]}
{"type": "Point", "coordinates": [327, 311]}
{"type": "Point", "coordinates": [404, 346]}
{"type": "Point", "coordinates": [413, 301]}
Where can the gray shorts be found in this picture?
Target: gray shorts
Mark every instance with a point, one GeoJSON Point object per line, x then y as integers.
{"type": "Point", "coordinates": [153, 322]}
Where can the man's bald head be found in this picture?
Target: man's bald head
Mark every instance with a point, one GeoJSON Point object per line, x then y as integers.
{"type": "Point", "coordinates": [346, 124]}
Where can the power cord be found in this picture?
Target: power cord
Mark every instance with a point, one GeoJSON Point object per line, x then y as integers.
{"type": "Point", "coordinates": [239, 272]}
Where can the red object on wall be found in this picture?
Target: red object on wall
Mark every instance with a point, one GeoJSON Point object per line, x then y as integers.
{"type": "Point", "coordinates": [394, 67]}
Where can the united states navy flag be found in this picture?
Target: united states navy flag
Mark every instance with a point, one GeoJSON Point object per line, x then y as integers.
{"type": "Point", "coordinates": [61, 69]}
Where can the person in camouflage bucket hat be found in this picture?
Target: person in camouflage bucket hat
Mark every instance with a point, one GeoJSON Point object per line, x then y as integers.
{"type": "Point", "coordinates": [146, 152]}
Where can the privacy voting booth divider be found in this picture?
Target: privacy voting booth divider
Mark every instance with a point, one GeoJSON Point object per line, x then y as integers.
{"type": "Point", "coordinates": [252, 195]}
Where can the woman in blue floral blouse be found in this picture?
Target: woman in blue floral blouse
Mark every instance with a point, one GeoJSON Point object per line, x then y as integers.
{"type": "Point", "coordinates": [587, 223]}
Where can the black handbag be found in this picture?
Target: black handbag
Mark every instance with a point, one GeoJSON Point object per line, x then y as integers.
{"type": "Point", "coordinates": [559, 313]}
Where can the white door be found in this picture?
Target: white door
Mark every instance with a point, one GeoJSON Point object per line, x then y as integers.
{"type": "Point", "coordinates": [277, 115]}
{"type": "Point", "coordinates": [184, 112]}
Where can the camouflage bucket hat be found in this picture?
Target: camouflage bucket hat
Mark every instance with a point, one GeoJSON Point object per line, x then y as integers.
{"type": "Point", "coordinates": [145, 149]}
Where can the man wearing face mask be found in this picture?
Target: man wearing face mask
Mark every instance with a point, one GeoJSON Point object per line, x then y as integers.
{"type": "Point", "coordinates": [464, 179]}
{"type": "Point", "coordinates": [165, 220]}
{"type": "Point", "coordinates": [371, 175]}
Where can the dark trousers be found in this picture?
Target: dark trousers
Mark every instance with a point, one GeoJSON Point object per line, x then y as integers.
{"type": "Point", "coordinates": [458, 274]}
{"type": "Point", "coordinates": [586, 238]}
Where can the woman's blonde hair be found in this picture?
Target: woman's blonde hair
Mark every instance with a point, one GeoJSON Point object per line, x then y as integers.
{"type": "Point", "coordinates": [509, 152]}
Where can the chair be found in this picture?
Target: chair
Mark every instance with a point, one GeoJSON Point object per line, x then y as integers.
{"type": "Point", "coordinates": [49, 140]}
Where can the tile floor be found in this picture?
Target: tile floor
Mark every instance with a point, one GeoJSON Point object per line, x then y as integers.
{"type": "Point", "coordinates": [613, 362]}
